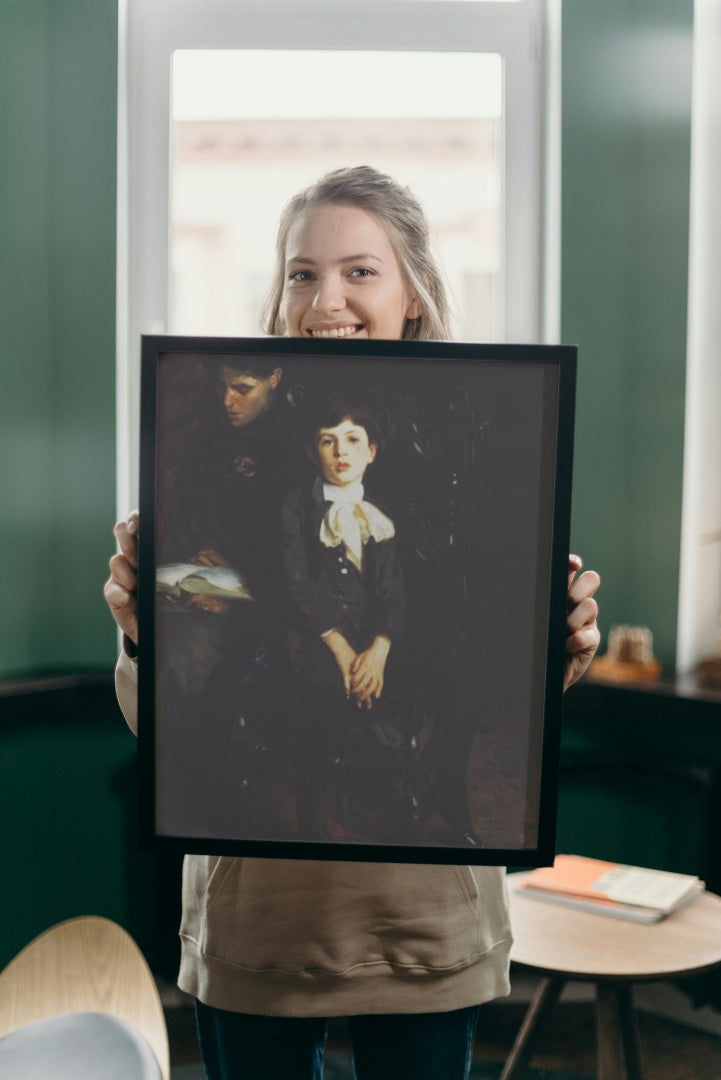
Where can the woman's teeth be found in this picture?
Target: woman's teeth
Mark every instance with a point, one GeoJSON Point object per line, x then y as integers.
{"type": "Point", "coordinates": [336, 332]}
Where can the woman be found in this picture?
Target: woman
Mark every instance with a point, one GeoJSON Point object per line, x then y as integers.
{"type": "Point", "coordinates": [271, 948]}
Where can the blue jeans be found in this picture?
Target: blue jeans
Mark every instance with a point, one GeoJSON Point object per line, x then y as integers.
{"type": "Point", "coordinates": [415, 1046]}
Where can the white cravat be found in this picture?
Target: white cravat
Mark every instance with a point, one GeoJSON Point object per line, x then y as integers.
{"type": "Point", "coordinates": [352, 521]}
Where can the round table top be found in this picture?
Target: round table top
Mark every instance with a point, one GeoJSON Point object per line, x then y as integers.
{"type": "Point", "coordinates": [559, 940]}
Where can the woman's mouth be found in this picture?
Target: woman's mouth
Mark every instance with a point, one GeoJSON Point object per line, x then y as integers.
{"type": "Point", "coordinates": [335, 331]}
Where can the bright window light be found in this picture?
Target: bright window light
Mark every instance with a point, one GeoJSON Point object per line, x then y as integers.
{"type": "Point", "coordinates": [251, 127]}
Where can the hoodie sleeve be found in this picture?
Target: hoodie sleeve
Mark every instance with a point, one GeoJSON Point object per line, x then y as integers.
{"type": "Point", "coordinates": [126, 688]}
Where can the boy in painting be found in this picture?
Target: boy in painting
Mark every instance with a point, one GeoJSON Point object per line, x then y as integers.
{"type": "Point", "coordinates": [346, 590]}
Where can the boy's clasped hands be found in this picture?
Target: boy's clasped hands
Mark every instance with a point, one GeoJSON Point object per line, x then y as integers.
{"type": "Point", "coordinates": [361, 672]}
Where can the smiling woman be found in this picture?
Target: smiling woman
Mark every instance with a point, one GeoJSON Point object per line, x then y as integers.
{"type": "Point", "coordinates": [353, 259]}
{"type": "Point", "coordinates": [332, 292]}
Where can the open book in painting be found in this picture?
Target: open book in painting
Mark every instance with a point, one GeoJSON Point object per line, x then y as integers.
{"type": "Point", "coordinates": [175, 579]}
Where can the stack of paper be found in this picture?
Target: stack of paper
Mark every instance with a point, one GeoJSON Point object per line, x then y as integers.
{"type": "Point", "coordinates": [608, 888]}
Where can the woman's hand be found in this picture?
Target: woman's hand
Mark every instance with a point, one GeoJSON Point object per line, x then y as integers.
{"type": "Point", "coordinates": [367, 670]}
{"type": "Point", "coordinates": [121, 587]}
{"type": "Point", "coordinates": [583, 635]}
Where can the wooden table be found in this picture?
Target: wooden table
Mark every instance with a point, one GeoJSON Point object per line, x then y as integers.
{"type": "Point", "coordinates": [563, 944]}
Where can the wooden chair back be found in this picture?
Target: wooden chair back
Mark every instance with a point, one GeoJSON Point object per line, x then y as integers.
{"type": "Point", "coordinates": [87, 964]}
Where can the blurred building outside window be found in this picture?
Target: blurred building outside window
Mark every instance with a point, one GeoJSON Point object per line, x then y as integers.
{"type": "Point", "coordinates": [236, 161]}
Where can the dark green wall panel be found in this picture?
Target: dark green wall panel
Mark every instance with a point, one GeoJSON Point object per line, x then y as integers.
{"type": "Point", "coordinates": [626, 145]}
{"type": "Point", "coordinates": [58, 80]}
{"type": "Point", "coordinates": [68, 802]}
{"type": "Point", "coordinates": [62, 789]}
{"type": "Point", "coordinates": [26, 483]}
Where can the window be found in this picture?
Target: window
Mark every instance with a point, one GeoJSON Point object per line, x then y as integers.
{"type": "Point", "coordinates": [227, 107]}
{"type": "Point", "coordinates": [235, 161]}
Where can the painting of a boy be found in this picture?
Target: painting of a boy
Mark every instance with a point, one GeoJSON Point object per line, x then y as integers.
{"type": "Point", "coordinates": [346, 591]}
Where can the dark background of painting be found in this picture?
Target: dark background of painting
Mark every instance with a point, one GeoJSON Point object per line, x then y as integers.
{"type": "Point", "coordinates": [465, 467]}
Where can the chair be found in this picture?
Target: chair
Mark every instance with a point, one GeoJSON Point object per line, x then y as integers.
{"type": "Point", "coordinates": [80, 1002]}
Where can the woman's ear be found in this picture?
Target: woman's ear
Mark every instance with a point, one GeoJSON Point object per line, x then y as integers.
{"type": "Point", "coordinates": [372, 451]}
{"type": "Point", "coordinates": [415, 309]}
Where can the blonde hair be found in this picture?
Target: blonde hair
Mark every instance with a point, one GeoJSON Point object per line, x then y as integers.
{"type": "Point", "coordinates": [403, 217]}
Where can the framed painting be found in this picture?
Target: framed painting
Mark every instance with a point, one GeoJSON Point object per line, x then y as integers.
{"type": "Point", "coordinates": [352, 597]}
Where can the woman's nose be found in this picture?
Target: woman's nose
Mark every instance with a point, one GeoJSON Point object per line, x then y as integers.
{"type": "Point", "coordinates": [329, 295]}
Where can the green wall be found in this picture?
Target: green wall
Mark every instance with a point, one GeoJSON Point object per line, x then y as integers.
{"type": "Point", "coordinates": [58, 73]}
{"type": "Point", "coordinates": [626, 146]}
{"type": "Point", "coordinates": [68, 804]}
{"type": "Point", "coordinates": [67, 761]}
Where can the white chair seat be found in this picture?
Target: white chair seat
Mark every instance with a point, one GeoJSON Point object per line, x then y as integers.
{"type": "Point", "coordinates": [78, 1046]}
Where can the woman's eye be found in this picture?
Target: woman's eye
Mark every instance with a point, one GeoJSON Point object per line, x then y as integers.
{"type": "Point", "coordinates": [362, 272]}
{"type": "Point", "coordinates": [300, 276]}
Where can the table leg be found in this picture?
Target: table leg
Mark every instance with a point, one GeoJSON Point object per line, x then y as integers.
{"type": "Point", "coordinates": [545, 997]}
{"type": "Point", "coordinates": [617, 1033]}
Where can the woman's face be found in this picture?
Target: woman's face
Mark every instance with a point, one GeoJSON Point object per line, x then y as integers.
{"type": "Point", "coordinates": [342, 277]}
{"type": "Point", "coordinates": [343, 453]}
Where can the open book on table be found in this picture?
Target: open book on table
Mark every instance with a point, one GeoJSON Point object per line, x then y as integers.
{"type": "Point", "coordinates": [608, 888]}
{"type": "Point", "coordinates": [175, 579]}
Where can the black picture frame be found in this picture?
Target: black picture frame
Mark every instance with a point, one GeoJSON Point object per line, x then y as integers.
{"type": "Point", "coordinates": [247, 742]}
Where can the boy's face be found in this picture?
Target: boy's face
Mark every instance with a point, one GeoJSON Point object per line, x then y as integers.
{"type": "Point", "coordinates": [343, 453]}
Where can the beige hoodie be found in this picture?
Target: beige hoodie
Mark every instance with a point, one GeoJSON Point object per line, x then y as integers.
{"type": "Point", "coordinates": [284, 937]}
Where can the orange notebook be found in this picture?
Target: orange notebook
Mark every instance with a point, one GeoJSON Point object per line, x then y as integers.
{"type": "Point", "coordinates": [632, 892]}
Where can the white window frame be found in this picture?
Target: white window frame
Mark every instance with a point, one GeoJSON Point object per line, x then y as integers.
{"type": "Point", "coordinates": [699, 597]}
{"type": "Point", "coordinates": [526, 34]}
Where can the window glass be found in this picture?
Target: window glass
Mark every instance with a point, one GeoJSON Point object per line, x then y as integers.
{"type": "Point", "coordinates": [251, 127]}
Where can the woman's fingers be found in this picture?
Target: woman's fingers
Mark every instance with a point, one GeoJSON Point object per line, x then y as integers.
{"type": "Point", "coordinates": [575, 562]}
{"type": "Point", "coordinates": [584, 612]}
{"type": "Point", "coordinates": [120, 588]}
{"type": "Point", "coordinates": [123, 607]}
{"type": "Point", "coordinates": [126, 534]}
{"type": "Point", "coordinates": [582, 633]}
{"type": "Point", "coordinates": [123, 572]}
{"type": "Point", "coordinates": [581, 590]}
